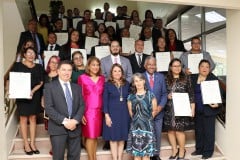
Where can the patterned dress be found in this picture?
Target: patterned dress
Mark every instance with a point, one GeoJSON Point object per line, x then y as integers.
{"type": "Point", "coordinates": [141, 138]}
{"type": "Point", "coordinates": [172, 122]}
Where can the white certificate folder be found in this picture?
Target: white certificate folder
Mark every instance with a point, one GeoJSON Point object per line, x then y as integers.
{"type": "Point", "coordinates": [19, 85]}
{"type": "Point", "coordinates": [211, 92]}
{"type": "Point", "coordinates": [181, 104]}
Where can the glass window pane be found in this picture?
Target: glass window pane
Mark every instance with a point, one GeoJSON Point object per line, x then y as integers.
{"type": "Point", "coordinates": [173, 25]}
{"type": "Point", "coordinates": [216, 46]}
{"type": "Point", "coordinates": [214, 17]}
{"type": "Point", "coordinates": [191, 24]}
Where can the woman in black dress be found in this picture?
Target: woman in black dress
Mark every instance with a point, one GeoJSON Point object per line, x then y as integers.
{"type": "Point", "coordinates": [29, 108]}
{"type": "Point", "coordinates": [177, 82]}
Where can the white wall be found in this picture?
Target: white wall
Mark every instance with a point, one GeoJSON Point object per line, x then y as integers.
{"type": "Point", "coordinates": [12, 27]}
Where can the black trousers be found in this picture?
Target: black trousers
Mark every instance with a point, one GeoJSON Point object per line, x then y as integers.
{"type": "Point", "coordinates": [205, 134]}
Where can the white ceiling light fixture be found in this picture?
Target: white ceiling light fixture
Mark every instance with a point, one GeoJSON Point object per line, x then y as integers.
{"type": "Point", "coordinates": [212, 17]}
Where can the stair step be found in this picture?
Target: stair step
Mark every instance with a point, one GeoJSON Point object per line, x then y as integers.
{"type": "Point", "coordinates": [44, 145]}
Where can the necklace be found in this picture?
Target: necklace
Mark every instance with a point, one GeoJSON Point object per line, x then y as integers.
{"type": "Point", "coordinates": [119, 88]}
{"type": "Point", "coordinates": [140, 97]}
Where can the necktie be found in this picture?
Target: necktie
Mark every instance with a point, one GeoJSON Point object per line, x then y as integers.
{"type": "Point", "coordinates": [139, 60]}
{"type": "Point", "coordinates": [51, 47]}
{"type": "Point", "coordinates": [151, 82]}
{"type": "Point", "coordinates": [68, 99]}
{"type": "Point", "coordinates": [115, 60]}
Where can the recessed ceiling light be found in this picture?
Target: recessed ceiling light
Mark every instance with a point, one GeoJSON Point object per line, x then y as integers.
{"type": "Point", "coordinates": [212, 17]}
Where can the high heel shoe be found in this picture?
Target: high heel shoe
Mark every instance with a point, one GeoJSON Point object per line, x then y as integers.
{"type": "Point", "coordinates": [182, 158]}
{"type": "Point", "coordinates": [175, 156]}
{"type": "Point", "coordinates": [35, 151]}
{"type": "Point", "coordinates": [28, 152]}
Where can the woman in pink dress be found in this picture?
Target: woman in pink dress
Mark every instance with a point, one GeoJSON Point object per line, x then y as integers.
{"type": "Point", "coordinates": [92, 83]}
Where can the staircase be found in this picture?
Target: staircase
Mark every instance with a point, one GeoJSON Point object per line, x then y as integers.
{"type": "Point", "coordinates": [43, 144]}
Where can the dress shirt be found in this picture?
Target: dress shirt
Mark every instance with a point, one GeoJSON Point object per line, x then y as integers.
{"type": "Point", "coordinates": [137, 58]}
{"type": "Point", "coordinates": [63, 86]}
{"type": "Point", "coordinates": [118, 59]}
{"type": "Point", "coordinates": [49, 47]}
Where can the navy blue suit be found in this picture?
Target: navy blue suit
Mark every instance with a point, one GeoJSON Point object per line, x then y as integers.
{"type": "Point", "coordinates": [160, 92]}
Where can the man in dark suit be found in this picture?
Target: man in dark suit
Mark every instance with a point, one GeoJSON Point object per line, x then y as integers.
{"type": "Point", "coordinates": [32, 34]}
{"type": "Point", "coordinates": [155, 82]}
{"type": "Point", "coordinates": [138, 58]}
{"type": "Point", "coordinates": [52, 45]}
{"type": "Point", "coordinates": [64, 106]}
{"type": "Point", "coordinates": [108, 61]}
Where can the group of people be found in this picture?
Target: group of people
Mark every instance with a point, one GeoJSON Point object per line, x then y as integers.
{"type": "Point", "coordinates": [121, 98]}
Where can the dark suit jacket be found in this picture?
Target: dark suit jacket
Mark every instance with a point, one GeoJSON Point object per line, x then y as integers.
{"type": "Point", "coordinates": [207, 109]}
{"type": "Point", "coordinates": [56, 108]}
{"type": "Point", "coordinates": [106, 64]}
{"type": "Point", "coordinates": [57, 47]}
{"type": "Point", "coordinates": [134, 63]}
{"type": "Point", "coordinates": [159, 90]}
{"type": "Point", "coordinates": [65, 51]}
{"type": "Point", "coordinates": [28, 36]}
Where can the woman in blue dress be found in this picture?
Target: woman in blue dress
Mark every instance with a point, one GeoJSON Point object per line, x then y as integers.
{"type": "Point", "coordinates": [142, 106]}
{"type": "Point", "coordinates": [117, 119]}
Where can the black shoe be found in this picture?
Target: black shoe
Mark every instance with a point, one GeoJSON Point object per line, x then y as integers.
{"type": "Point", "coordinates": [155, 158]}
{"type": "Point", "coordinates": [106, 146]}
{"type": "Point", "coordinates": [196, 153]}
{"type": "Point", "coordinates": [35, 151]}
{"type": "Point", "coordinates": [175, 156]}
{"type": "Point", "coordinates": [182, 158]}
{"type": "Point", "coordinates": [28, 152]}
{"type": "Point", "coordinates": [205, 157]}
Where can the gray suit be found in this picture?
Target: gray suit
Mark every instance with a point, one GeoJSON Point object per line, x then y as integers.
{"type": "Point", "coordinates": [57, 110]}
{"type": "Point", "coordinates": [106, 64]}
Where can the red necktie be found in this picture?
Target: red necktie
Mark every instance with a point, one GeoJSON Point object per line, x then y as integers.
{"type": "Point", "coordinates": [115, 60]}
{"type": "Point", "coordinates": [151, 82]}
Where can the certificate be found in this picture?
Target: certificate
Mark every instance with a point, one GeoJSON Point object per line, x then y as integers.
{"type": "Point", "coordinates": [62, 38]}
{"type": "Point", "coordinates": [128, 45]}
{"type": "Point", "coordinates": [181, 104]}
{"type": "Point", "coordinates": [99, 21]}
{"type": "Point", "coordinates": [24, 89]}
{"type": "Point", "coordinates": [90, 42]}
{"type": "Point", "coordinates": [84, 28]}
{"type": "Point", "coordinates": [163, 59]}
{"type": "Point", "coordinates": [193, 61]}
{"type": "Point", "coordinates": [102, 51]}
{"type": "Point", "coordinates": [177, 54]}
{"type": "Point", "coordinates": [48, 55]}
{"type": "Point", "coordinates": [211, 92]}
{"type": "Point", "coordinates": [75, 22]}
{"type": "Point", "coordinates": [64, 20]}
{"type": "Point", "coordinates": [148, 47]}
{"type": "Point", "coordinates": [84, 54]}
{"type": "Point", "coordinates": [120, 23]}
{"type": "Point", "coordinates": [45, 116]}
{"type": "Point", "coordinates": [113, 24]}
{"type": "Point", "coordinates": [135, 31]}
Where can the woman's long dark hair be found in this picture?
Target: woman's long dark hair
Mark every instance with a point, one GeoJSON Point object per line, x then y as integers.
{"type": "Point", "coordinates": [122, 79]}
{"type": "Point", "coordinates": [170, 78]}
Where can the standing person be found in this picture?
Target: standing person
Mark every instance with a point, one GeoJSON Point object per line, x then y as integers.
{"type": "Point", "coordinates": [73, 42]}
{"type": "Point", "coordinates": [26, 44]}
{"type": "Point", "coordinates": [138, 58]}
{"type": "Point", "coordinates": [196, 49]}
{"type": "Point", "coordinates": [155, 83]}
{"type": "Point", "coordinates": [50, 75]}
{"type": "Point", "coordinates": [92, 83]}
{"type": "Point", "coordinates": [108, 61]}
{"type": "Point", "coordinates": [177, 82]}
{"type": "Point", "coordinates": [142, 106]}
{"type": "Point", "coordinates": [116, 123]}
{"type": "Point", "coordinates": [64, 106]}
{"type": "Point", "coordinates": [173, 43]}
{"type": "Point", "coordinates": [78, 66]}
{"type": "Point", "coordinates": [205, 113]}
{"type": "Point", "coordinates": [28, 109]}
{"type": "Point", "coordinates": [32, 34]}
{"type": "Point", "coordinates": [52, 42]}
